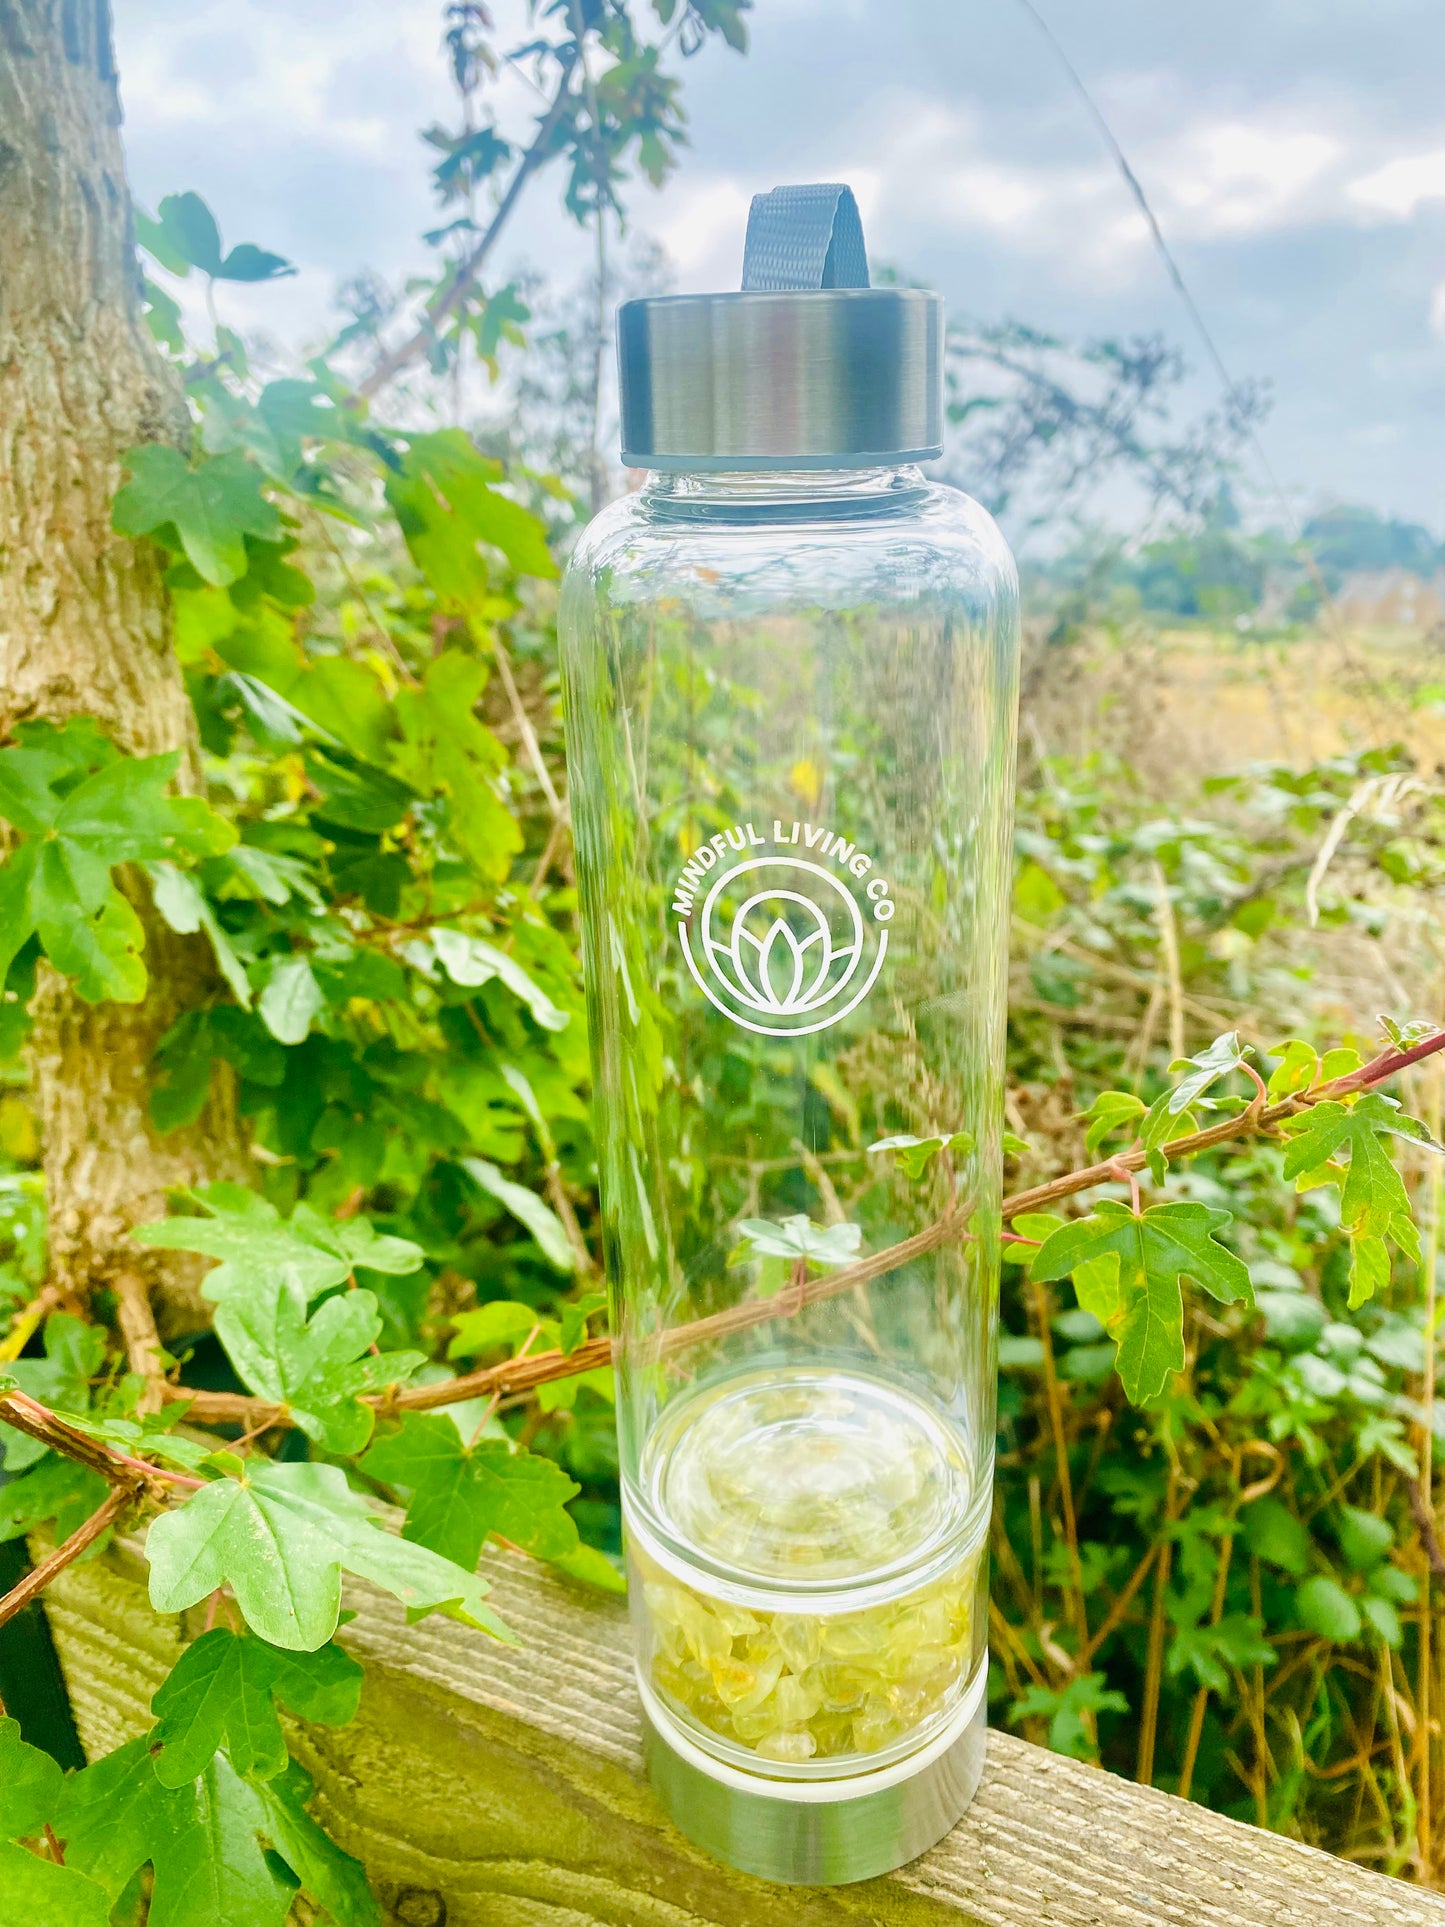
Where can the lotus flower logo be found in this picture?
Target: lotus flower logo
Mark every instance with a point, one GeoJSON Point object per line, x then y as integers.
{"type": "Point", "coordinates": [781, 947]}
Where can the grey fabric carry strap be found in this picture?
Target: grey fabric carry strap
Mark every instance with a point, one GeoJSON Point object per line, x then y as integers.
{"type": "Point", "coordinates": [804, 237]}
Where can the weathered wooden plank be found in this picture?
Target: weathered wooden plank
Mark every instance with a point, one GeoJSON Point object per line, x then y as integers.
{"type": "Point", "coordinates": [494, 1787]}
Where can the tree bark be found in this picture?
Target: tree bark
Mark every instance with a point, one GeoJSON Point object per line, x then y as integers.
{"type": "Point", "coordinates": [84, 618]}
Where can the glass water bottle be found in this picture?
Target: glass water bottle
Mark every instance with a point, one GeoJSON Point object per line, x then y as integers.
{"type": "Point", "coordinates": [790, 668]}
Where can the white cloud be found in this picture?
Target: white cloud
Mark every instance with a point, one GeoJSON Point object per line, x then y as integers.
{"type": "Point", "coordinates": [1437, 311]}
{"type": "Point", "coordinates": [1232, 178]}
{"type": "Point", "coordinates": [1397, 189]}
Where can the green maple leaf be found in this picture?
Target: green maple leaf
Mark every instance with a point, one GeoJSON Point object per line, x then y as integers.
{"type": "Point", "coordinates": [34, 1890]}
{"type": "Point", "coordinates": [74, 1353]}
{"type": "Point", "coordinates": [445, 503]}
{"type": "Point", "coordinates": [207, 1842]}
{"type": "Point", "coordinates": [332, 1878]}
{"type": "Point", "coordinates": [257, 1246]}
{"type": "Point", "coordinates": [527, 1208]}
{"type": "Point", "coordinates": [1109, 1112]}
{"type": "Point", "coordinates": [798, 1238]}
{"type": "Point", "coordinates": [913, 1155]}
{"type": "Point", "coordinates": [151, 1437]}
{"type": "Point", "coordinates": [1127, 1271]}
{"type": "Point", "coordinates": [319, 1369]}
{"type": "Point", "coordinates": [1372, 1194]}
{"type": "Point", "coordinates": [461, 1493]}
{"type": "Point", "coordinates": [1225, 1054]}
{"type": "Point", "coordinates": [471, 962]}
{"type": "Point", "coordinates": [210, 509]}
{"type": "Point", "coordinates": [280, 1537]}
{"type": "Point", "coordinates": [77, 823]}
{"type": "Point", "coordinates": [224, 1691]}
{"type": "Point", "coordinates": [30, 1785]}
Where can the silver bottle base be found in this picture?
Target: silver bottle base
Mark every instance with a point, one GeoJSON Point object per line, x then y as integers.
{"type": "Point", "coordinates": [817, 1833]}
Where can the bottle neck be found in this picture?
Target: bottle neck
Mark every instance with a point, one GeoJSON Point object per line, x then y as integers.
{"type": "Point", "coordinates": [781, 495]}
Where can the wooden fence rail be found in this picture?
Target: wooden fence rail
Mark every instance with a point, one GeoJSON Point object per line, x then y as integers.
{"type": "Point", "coordinates": [492, 1787]}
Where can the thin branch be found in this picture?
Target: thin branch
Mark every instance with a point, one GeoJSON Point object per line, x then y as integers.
{"type": "Point", "coordinates": [101, 1520]}
{"type": "Point", "coordinates": [415, 348]}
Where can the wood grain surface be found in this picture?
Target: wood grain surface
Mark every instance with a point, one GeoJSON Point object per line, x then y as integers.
{"type": "Point", "coordinates": [487, 1786]}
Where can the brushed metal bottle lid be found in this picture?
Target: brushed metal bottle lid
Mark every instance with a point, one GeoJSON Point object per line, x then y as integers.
{"type": "Point", "coordinates": [806, 367]}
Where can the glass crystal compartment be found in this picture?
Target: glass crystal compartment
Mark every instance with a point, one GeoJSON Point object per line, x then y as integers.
{"type": "Point", "coordinates": [789, 1487]}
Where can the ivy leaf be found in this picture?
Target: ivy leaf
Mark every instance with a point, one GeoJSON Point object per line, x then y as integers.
{"type": "Point", "coordinates": [1133, 1268]}
{"type": "Point", "coordinates": [224, 1690]}
{"type": "Point", "coordinates": [257, 1246]}
{"type": "Point", "coordinates": [317, 1369]}
{"type": "Point", "coordinates": [1110, 1112]}
{"type": "Point", "coordinates": [461, 1493]}
{"type": "Point", "coordinates": [280, 1537]}
{"type": "Point", "coordinates": [1225, 1054]}
{"type": "Point", "coordinates": [471, 962]}
{"type": "Point", "coordinates": [206, 1841]}
{"type": "Point", "coordinates": [210, 508]}
{"type": "Point", "coordinates": [798, 1239]}
{"type": "Point", "coordinates": [539, 1218]}
{"type": "Point", "coordinates": [914, 1154]}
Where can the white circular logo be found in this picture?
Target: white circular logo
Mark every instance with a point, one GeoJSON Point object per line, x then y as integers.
{"type": "Point", "coordinates": [781, 947]}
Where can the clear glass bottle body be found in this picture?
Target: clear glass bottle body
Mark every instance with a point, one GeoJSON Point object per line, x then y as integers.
{"type": "Point", "coordinates": [791, 703]}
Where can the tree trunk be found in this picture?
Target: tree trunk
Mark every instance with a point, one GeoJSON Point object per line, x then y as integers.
{"type": "Point", "coordinates": [84, 619]}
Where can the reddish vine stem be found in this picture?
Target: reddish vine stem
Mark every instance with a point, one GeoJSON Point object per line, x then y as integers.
{"type": "Point", "coordinates": [523, 1375]}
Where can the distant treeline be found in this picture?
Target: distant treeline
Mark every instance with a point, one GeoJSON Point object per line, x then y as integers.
{"type": "Point", "coordinates": [1220, 572]}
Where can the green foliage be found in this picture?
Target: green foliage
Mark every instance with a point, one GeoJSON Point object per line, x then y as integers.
{"type": "Point", "coordinates": [279, 1535]}
{"type": "Point", "coordinates": [184, 236]}
{"type": "Point", "coordinates": [460, 1492]}
{"type": "Point", "coordinates": [223, 1692]}
{"type": "Point", "coordinates": [1127, 1270]}
{"type": "Point", "coordinates": [1069, 1712]}
{"type": "Point", "coordinates": [913, 1155]}
{"type": "Point", "coordinates": [205, 512]}
{"type": "Point", "coordinates": [80, 810]}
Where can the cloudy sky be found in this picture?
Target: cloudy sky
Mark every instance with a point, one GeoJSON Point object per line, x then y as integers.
{"type": "Point", "coordinates": [1294, 151]}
